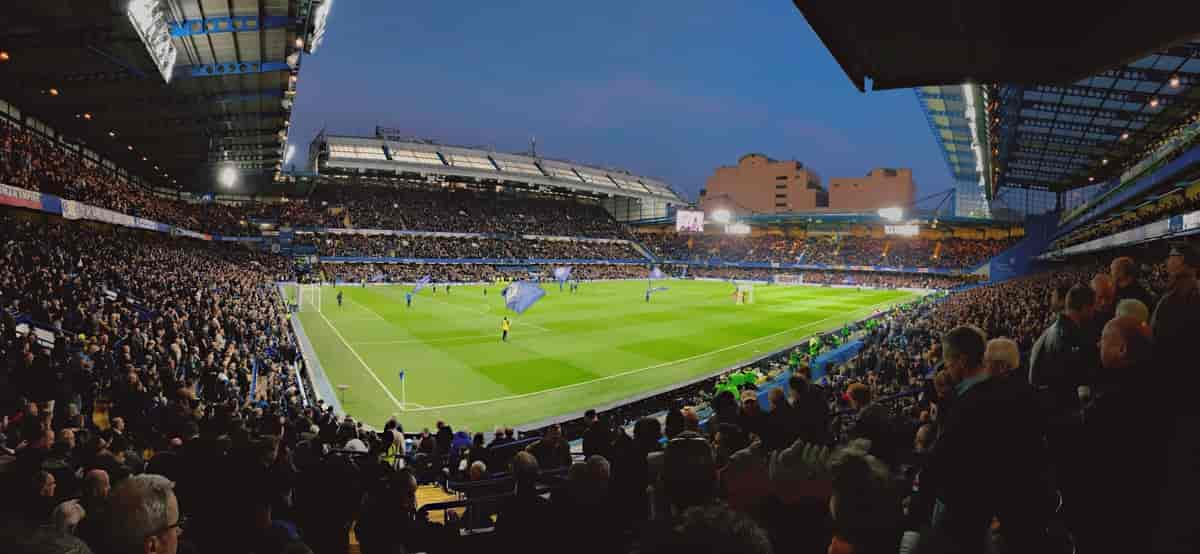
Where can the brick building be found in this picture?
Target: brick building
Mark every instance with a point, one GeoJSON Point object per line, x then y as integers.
{"type": "Point", "coordinates": [881, 188]}
{"type": "Point", "coordinates": [758, 184]}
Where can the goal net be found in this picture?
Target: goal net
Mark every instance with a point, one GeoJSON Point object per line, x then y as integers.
{"type": "Point", "coordinates": [744, 294]}
{"type": "Point", "coordinates": [309, 298]}
{"type": "Point", "coordinates": [789, 278]}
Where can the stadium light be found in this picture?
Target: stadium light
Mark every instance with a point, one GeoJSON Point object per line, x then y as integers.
{"type": "Point", "coordinates": [891, 214]}
{"type": "Point", "coordinates": [228, 177]}
{"type": "Point", "coordinates": [737, 229]}
{"type": "Point", "coordinates": [4, 56]}
{"type": "Point", "coordinates": [291, 151]}
{"type": "Point", "coordinates": [1175, 81]}
{"type": "Point", "coordinates": [721, 216]}
{"type": "Point", "coordinates": [149, 18]}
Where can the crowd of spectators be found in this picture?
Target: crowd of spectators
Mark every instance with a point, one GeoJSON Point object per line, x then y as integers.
{"type": "Point", "coordinates": [1174, 204]}
{"type": "Point", "coordinates": [411, 246]}
{"type": "Point", "coordinates": [30, 161]}
{"type": "Point", "coordinates": [955, 253]}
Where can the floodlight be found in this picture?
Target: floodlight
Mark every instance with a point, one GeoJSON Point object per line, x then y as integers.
{"type": "Point", "coordinates": [228, 177]}
{"type": "Point", "coordinates": [891, 214]}
{"type": "Point", "coordinates": [721, 216]}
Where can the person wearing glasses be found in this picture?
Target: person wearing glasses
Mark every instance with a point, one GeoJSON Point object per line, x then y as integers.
{"type": "Point", "coordinates": [144, 516]}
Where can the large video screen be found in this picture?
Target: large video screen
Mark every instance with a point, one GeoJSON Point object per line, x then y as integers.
{"type": "Point", "coordinates": [687, 221]}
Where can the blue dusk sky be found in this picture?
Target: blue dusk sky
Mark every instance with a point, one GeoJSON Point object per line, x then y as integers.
{"type": "Point", "coordinates": [667, 88]}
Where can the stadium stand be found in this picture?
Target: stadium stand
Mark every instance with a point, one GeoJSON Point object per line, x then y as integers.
{"type": "Point", "coordinates": [849, 250]}
{"type": "Point", "coordinates": [154, 397]}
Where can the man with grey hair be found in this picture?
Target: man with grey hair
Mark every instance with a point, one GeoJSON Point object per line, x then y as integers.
{"type": "Point", "coordinates": [144, 516]}
{"type": "Point", "coordinates": [1132, 307]}
{"type": "Point", "coordinates": [1002, 357]}
{"type": "Point", "coordinates": [995, 429]}
{"type": "Point", "coordinates": [1106, 297]}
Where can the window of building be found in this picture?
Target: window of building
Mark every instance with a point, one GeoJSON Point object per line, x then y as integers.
{"type": "Point", "coordinates": [779, 195]}
{"type": "Point", "coordinates": [781, 204]}
{"type": "Point", "coordinates": [781, 186]}
{"type": "Point", "coordinates": [781, 178]}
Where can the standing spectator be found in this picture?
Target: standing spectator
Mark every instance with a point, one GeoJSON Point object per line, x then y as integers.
{"type": "Point", "coordinates": [752, 420]}
{"type": "Point", "coordinates": [1116, 516]}
{"type": "Point", "coordinates": [994, 430]}
{"type": "Point", "coordinates": [145, 516]}
{"type": "Point", "coordinates": [1124, 273]}
{"type": "Point", "coordinates": [597, 439]}
{"type": "Point", "coordinates": [1175, 324]}
{"type": "Point", "coordinates": [1106, 298]}
{"type": "Point", "coordinates": [864, 506]}
{"type": "Point", "coordinates": [872, 422]}
{"type": "Point", "coordinates": [809, 410]}
{"type": "Point", "coordinates": [1002, 357]}
{"type": "Point", "coordinates": [1065, 356]}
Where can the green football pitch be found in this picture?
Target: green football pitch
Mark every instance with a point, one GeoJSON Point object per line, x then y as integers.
{"type": "Point", "coordinates": [567, 353]}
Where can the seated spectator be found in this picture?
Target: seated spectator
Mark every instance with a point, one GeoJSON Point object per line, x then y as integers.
{"type": "Point", "coordinates": [552, 451]}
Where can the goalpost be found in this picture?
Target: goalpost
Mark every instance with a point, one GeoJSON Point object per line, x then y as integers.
{"type": "Point", "coordinates": [310, 298]}
{"type": "Point", "coordinates": [744, 294]}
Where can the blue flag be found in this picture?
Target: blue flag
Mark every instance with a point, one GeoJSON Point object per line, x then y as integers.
{"type": "Point", "coordinates": [562, 273]}
{"type": "Point", "coordinates": [421, 283]}
{"type": "Point", "coordinates": [657, 273]}
{"type": "Point", "coordinates": [520, 295]}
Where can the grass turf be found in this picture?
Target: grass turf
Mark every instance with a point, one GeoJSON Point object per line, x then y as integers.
{"type": "Point", "coordinates": [565, 354]}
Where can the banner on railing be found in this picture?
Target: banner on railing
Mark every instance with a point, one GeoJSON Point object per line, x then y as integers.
{"type": "Point", "coordinates": [20, 198]}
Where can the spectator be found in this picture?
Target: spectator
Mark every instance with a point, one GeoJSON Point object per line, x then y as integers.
{"type": "Point", "coordinates": [390, 522]}
{"type": "Point", "coordinates": [810, 410]}
{"type": "Point", "coordinates": [1106, 293]}
{"type": "Point", "coordinates": [864, 506]}
{"type": "Point", "coordinates": [1116, 516]}
{"type": "Point", "coordinates": [597, 440]}
{"type": "Point", "coordinates": [1065, 356]}
{"type": "Point", "coordinates": [552, 451]}
{"type": "Point", "coordinates": [1175, 322]}
{"type": "Point", "coordinates": [145, 516]}
{"type": "Point", "coordinates": [1002, 357]}
{"type": "Point", "coordinates": [1124, 273]}
{"type": "Point", "coordinates": [715, 528]}
{"type": "Point", "coordinates": [994, 430]}
{"type": "Point", "coordinates": [751, 419]}
{"type": "Point", "coordinates": [1132, 307]}
{"type": "Point", "coordinates": [526, 513]}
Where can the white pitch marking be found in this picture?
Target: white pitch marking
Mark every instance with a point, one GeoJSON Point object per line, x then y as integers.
{"type": "Point", "coordinates": [631, 371]}
{"type": "Point", "coordinates": [361, 361]}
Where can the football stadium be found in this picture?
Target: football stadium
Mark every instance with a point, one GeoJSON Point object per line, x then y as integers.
{"type": "Point", "coordinates": [289, 276]}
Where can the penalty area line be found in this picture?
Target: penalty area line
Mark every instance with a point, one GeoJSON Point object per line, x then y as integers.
{"type": "Point", "coordinates": [366, 367]}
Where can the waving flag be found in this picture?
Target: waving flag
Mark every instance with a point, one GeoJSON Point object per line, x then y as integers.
{"type": "Point", "coordinates": [657, 273]}
{"type": "Point", "coordinates": [520, 295]}
{"type": "Point", "coordinates": [562, 273]}
{"type": "Point", "coordinates": [421, 284]}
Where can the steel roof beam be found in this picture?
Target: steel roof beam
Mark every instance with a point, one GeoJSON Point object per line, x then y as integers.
{"type": "Point", "coordinates": [1044, 123]}
{"type": "Point", "coordinates": [231, 24]}
{"type": "Point", "coordinates": [229, 68]}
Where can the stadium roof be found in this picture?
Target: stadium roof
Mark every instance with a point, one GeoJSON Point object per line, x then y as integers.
{"type": "Point", "coordinates": [391, 155]}
{"type": "Point", "coordinates": [936, 42]}
{"type": "Point", "coordinates": [171, 90]}
{"type": "Point", "coordinates": [1061, 137]}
